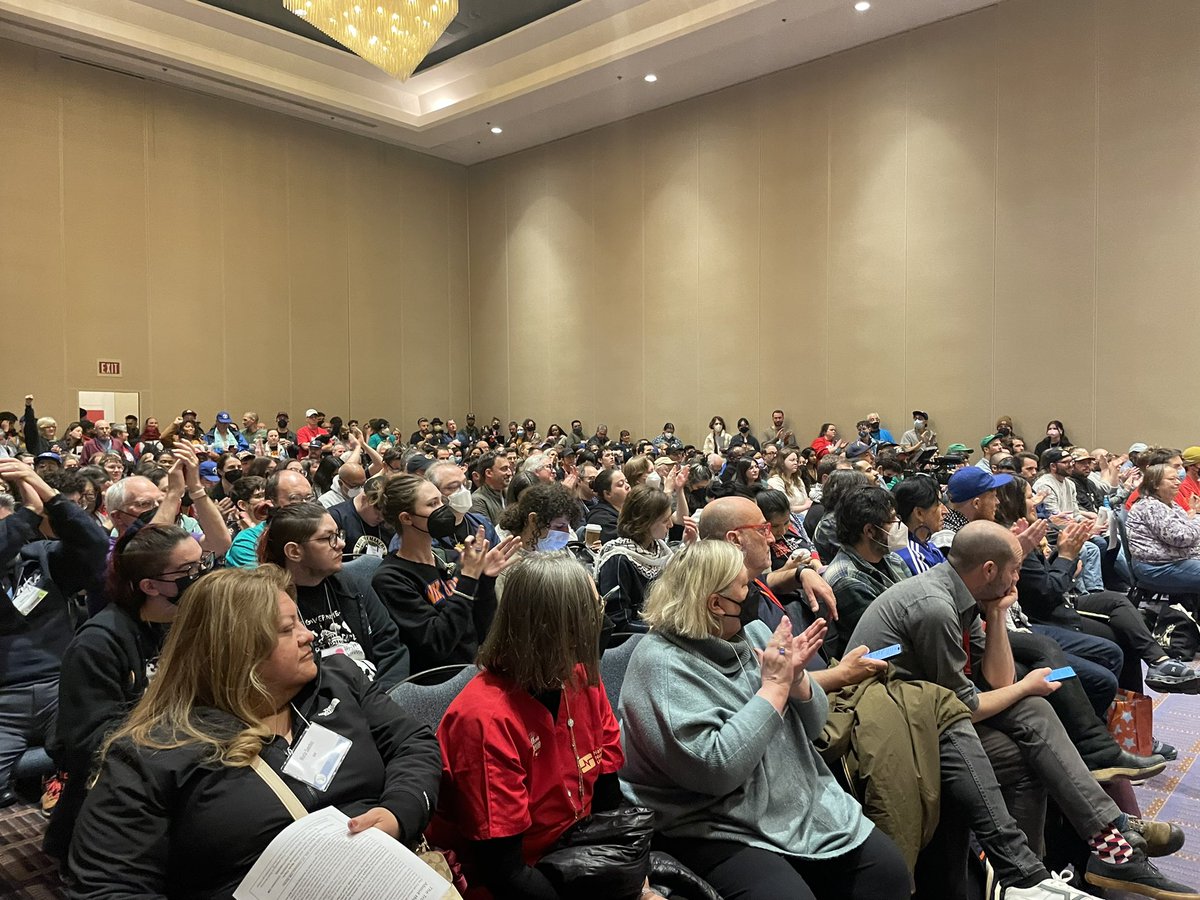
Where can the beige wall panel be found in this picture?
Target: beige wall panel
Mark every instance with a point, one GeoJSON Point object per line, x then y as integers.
{"type": "Point", "coordinates": [793, 126]}
{"type": "Point", "coordinates": [458, 271]}
{"type": "Point", "coordinates": [488, 236]}
{"type": "Point", "coordinates": [378, 288]}
{"type": "Point", "coordinates": [254, 255]}
{"type": "Point", "coordinates": [317, 270]}
{"type": "Point", "coordinates": [867, 154]}
{"type": "Point", "coordinates": [185, 263]}
{"type": "Point", "coordinates": [425, 351]}
{"type": "Point", "coordinates": [104, 219]}
{"type": "Point", "coordinates": [950, 217]}
{"type": "Point", "coordinates": [1045, 215]}
{"type": "Point", "coordinates": [569, 289]}
{"type": "Point", "coordinates": [31, 250]}
{"type": "Point", "coordinates": [611, 357]}
{"type": "Point", "coordinates": [529, 263]}
{"type": "Point", "coordinates": [676, 343]}
{"type": "Point", "coordinates": [728, 244]}
{"type": "Point", "coordinates": [1148, 230]}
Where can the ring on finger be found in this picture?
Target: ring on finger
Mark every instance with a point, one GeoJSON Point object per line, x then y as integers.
{"type": "Point", "coordinates": [783, 651]}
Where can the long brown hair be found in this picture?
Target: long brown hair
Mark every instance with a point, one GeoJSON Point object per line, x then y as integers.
{"type": "Point", "coordinates": [221, 636]}
{"type": "Point", "coordinates": [548, 623]}
{"type": "Point", "coordinates": [643, 507]}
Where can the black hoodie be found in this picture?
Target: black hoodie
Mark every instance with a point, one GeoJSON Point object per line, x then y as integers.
{"type": "Point", "coordinates": [32, 646]}
{"type": "Point", "coordinates": [167, 823]}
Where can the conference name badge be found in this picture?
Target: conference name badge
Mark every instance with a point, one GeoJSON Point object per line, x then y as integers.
{"type": "Point", "coordinates": [317, 756]}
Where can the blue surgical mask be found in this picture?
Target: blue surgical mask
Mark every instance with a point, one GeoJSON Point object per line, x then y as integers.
{"type": "Point", "coordinates": [1182, 474]}
{"type": "Point", "coordinates": [554, 540]}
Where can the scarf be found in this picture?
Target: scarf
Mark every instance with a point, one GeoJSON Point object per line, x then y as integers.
{"type": "Point", "coordinates": [649, 565]}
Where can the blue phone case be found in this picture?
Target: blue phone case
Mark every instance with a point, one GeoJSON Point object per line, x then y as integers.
{"type": "Point", "coordinates": [883, 653]}
{"type": "Point", "coordinates": [1061, 674]}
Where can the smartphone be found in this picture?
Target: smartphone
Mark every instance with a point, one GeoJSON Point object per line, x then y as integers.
{"type": "Point", "coordinates": [1061, 674]}
{"type": "Point", "coordinates": [888, 653]}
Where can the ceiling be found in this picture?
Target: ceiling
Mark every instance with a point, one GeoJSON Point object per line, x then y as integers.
{"type": "Point", "coordinates": [477, 22]}
{"type": "Point", "coordinates": [539, 69]}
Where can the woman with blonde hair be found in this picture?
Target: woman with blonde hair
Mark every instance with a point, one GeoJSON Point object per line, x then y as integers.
{"type": "Point", "coordinates": [718, 717]}
{"type": "Point", "coordinates": [180, 809]}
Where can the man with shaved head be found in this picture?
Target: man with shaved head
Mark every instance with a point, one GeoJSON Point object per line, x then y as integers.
{"type": "Point", "coordinates": [740, 521]}
{"type": "Point", "coordinates": [347, 484]}
{"type": "Point", "coordinates": [938, 618]}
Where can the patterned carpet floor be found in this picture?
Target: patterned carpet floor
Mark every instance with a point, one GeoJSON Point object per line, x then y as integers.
{"type": "Point", "coordinates": [1175, 794]}
{"type": "Point", "coordinates": [28, 874]}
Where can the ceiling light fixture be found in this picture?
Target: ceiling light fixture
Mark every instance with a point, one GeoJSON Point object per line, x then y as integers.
{"type": "Point", "coordinates": [862, 5]}
{"type": "Point", "coordinates": [651, 78]}
{"type": "Point", "coordinates": [394, 35]}
{"type": "Point", "coordinates": [496, 129]}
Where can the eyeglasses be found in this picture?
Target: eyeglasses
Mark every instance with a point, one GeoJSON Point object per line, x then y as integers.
{"type": "Point", "coordinates": [337, 537]}
{"type": "Point", "coordinates": [300, 498]}
{"type": "Point", "coordinates": [763, 528]}
{"type": "Point", "coordinates": [192, 570]}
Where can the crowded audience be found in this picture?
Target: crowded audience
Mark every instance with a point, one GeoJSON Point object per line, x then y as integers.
{"type": "Point", "coordinates": [183, 605]}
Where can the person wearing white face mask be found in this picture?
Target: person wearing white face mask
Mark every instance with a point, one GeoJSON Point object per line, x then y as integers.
{"type": "Point", "coordinates": [541, 517]}
{"type": "Point", "coordinates": [866, 565]}
{"type": "Point", "coordinates": [347, 484]}
{"type": "Point", "coordinates": [919, 437]}
{"type": "Point", "coordinates": [449, 479]}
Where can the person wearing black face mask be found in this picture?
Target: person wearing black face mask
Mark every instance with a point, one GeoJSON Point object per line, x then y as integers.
{"type": "Point", "coordinates": [703, 681]}
{"type": "Point", "coordinates": [442, 602]}
{"type": "Point", "coordinates": [744, 438]}
{"type": "Point", "coordinates": [113, 656]}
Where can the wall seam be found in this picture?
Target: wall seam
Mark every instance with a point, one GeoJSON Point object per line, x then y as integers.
{"type": "Point", "coordinates": [507, 312]}
{"type": "Point", "coordinates": [906, 46]}
{"type": "Point", "coordinates": [994, 411]}
{"type": "Point", "coordinates": [62, 239]}
{"type": "Point", "coordinates": [1095, 223]}
{"type": "Point", "coordinates": [147, 139]}
{"type": "Point", "coordinates": [470, 307]}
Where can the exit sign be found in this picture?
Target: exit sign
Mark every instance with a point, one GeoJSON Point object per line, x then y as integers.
{"type": "Point", "coordinates": [110, 366]}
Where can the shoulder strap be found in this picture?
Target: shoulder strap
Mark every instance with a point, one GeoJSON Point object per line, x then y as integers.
{"type": "Point", "coordinates": [281, 790]}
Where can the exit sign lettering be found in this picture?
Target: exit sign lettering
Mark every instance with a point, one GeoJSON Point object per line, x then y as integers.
{"type": "Point", "coordinates": [110, 366]}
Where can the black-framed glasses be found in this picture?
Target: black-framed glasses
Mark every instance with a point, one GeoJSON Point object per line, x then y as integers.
{"type": "Point", "coordinates": [337, 537]}
{"type": "Point", "coordinates": [193, 570]}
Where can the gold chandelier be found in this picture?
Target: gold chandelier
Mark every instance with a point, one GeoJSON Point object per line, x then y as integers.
{"type": "Point", "coordinates": [394, 35]}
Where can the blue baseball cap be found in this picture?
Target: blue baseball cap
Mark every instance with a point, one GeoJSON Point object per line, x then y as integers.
{"type": "Point", "coordinates": [224, 418]}
{"type": "Point", "coordinates": [969, 483]}
{"type": "Point", "coordinates": [857, 449]}
{"type": "Point", "coordinates": [208, 471]}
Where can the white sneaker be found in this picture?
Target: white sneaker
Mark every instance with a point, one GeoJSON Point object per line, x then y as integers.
{"type": "Point", "coordinates": [1056, 887]}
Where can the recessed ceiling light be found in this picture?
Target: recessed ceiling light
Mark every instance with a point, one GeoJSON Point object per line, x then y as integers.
{"type": "Point", "coordinates": [651, 78]}
{"type": "Point", "coordinates": [862, 5]}
{"type": "Point", "coordinates": [496, 129]}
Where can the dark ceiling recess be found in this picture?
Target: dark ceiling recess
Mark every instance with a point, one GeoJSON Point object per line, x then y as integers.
{"type": "Point", "coordinates": [477, 22]}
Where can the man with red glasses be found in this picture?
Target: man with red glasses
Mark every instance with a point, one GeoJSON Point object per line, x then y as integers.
{"type": "Point", "coordinates": [740, 521]}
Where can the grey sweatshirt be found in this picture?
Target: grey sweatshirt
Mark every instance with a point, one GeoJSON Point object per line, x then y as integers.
{"type": "Point", "coordinates": [715, 761]}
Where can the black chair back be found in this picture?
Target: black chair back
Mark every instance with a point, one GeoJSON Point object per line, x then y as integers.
{"type": "Point", "coordinates": [613, 664]}
{"type": "Point", "coordinates": [427, 702]}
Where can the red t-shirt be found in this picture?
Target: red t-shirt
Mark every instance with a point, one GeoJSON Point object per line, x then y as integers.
{"type": "Point", "coordinates": [308, 432]}
{"type": "Point", "coordinates": [1190, 488]}
{"type": "Point", "coordinates": [507, 766]}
